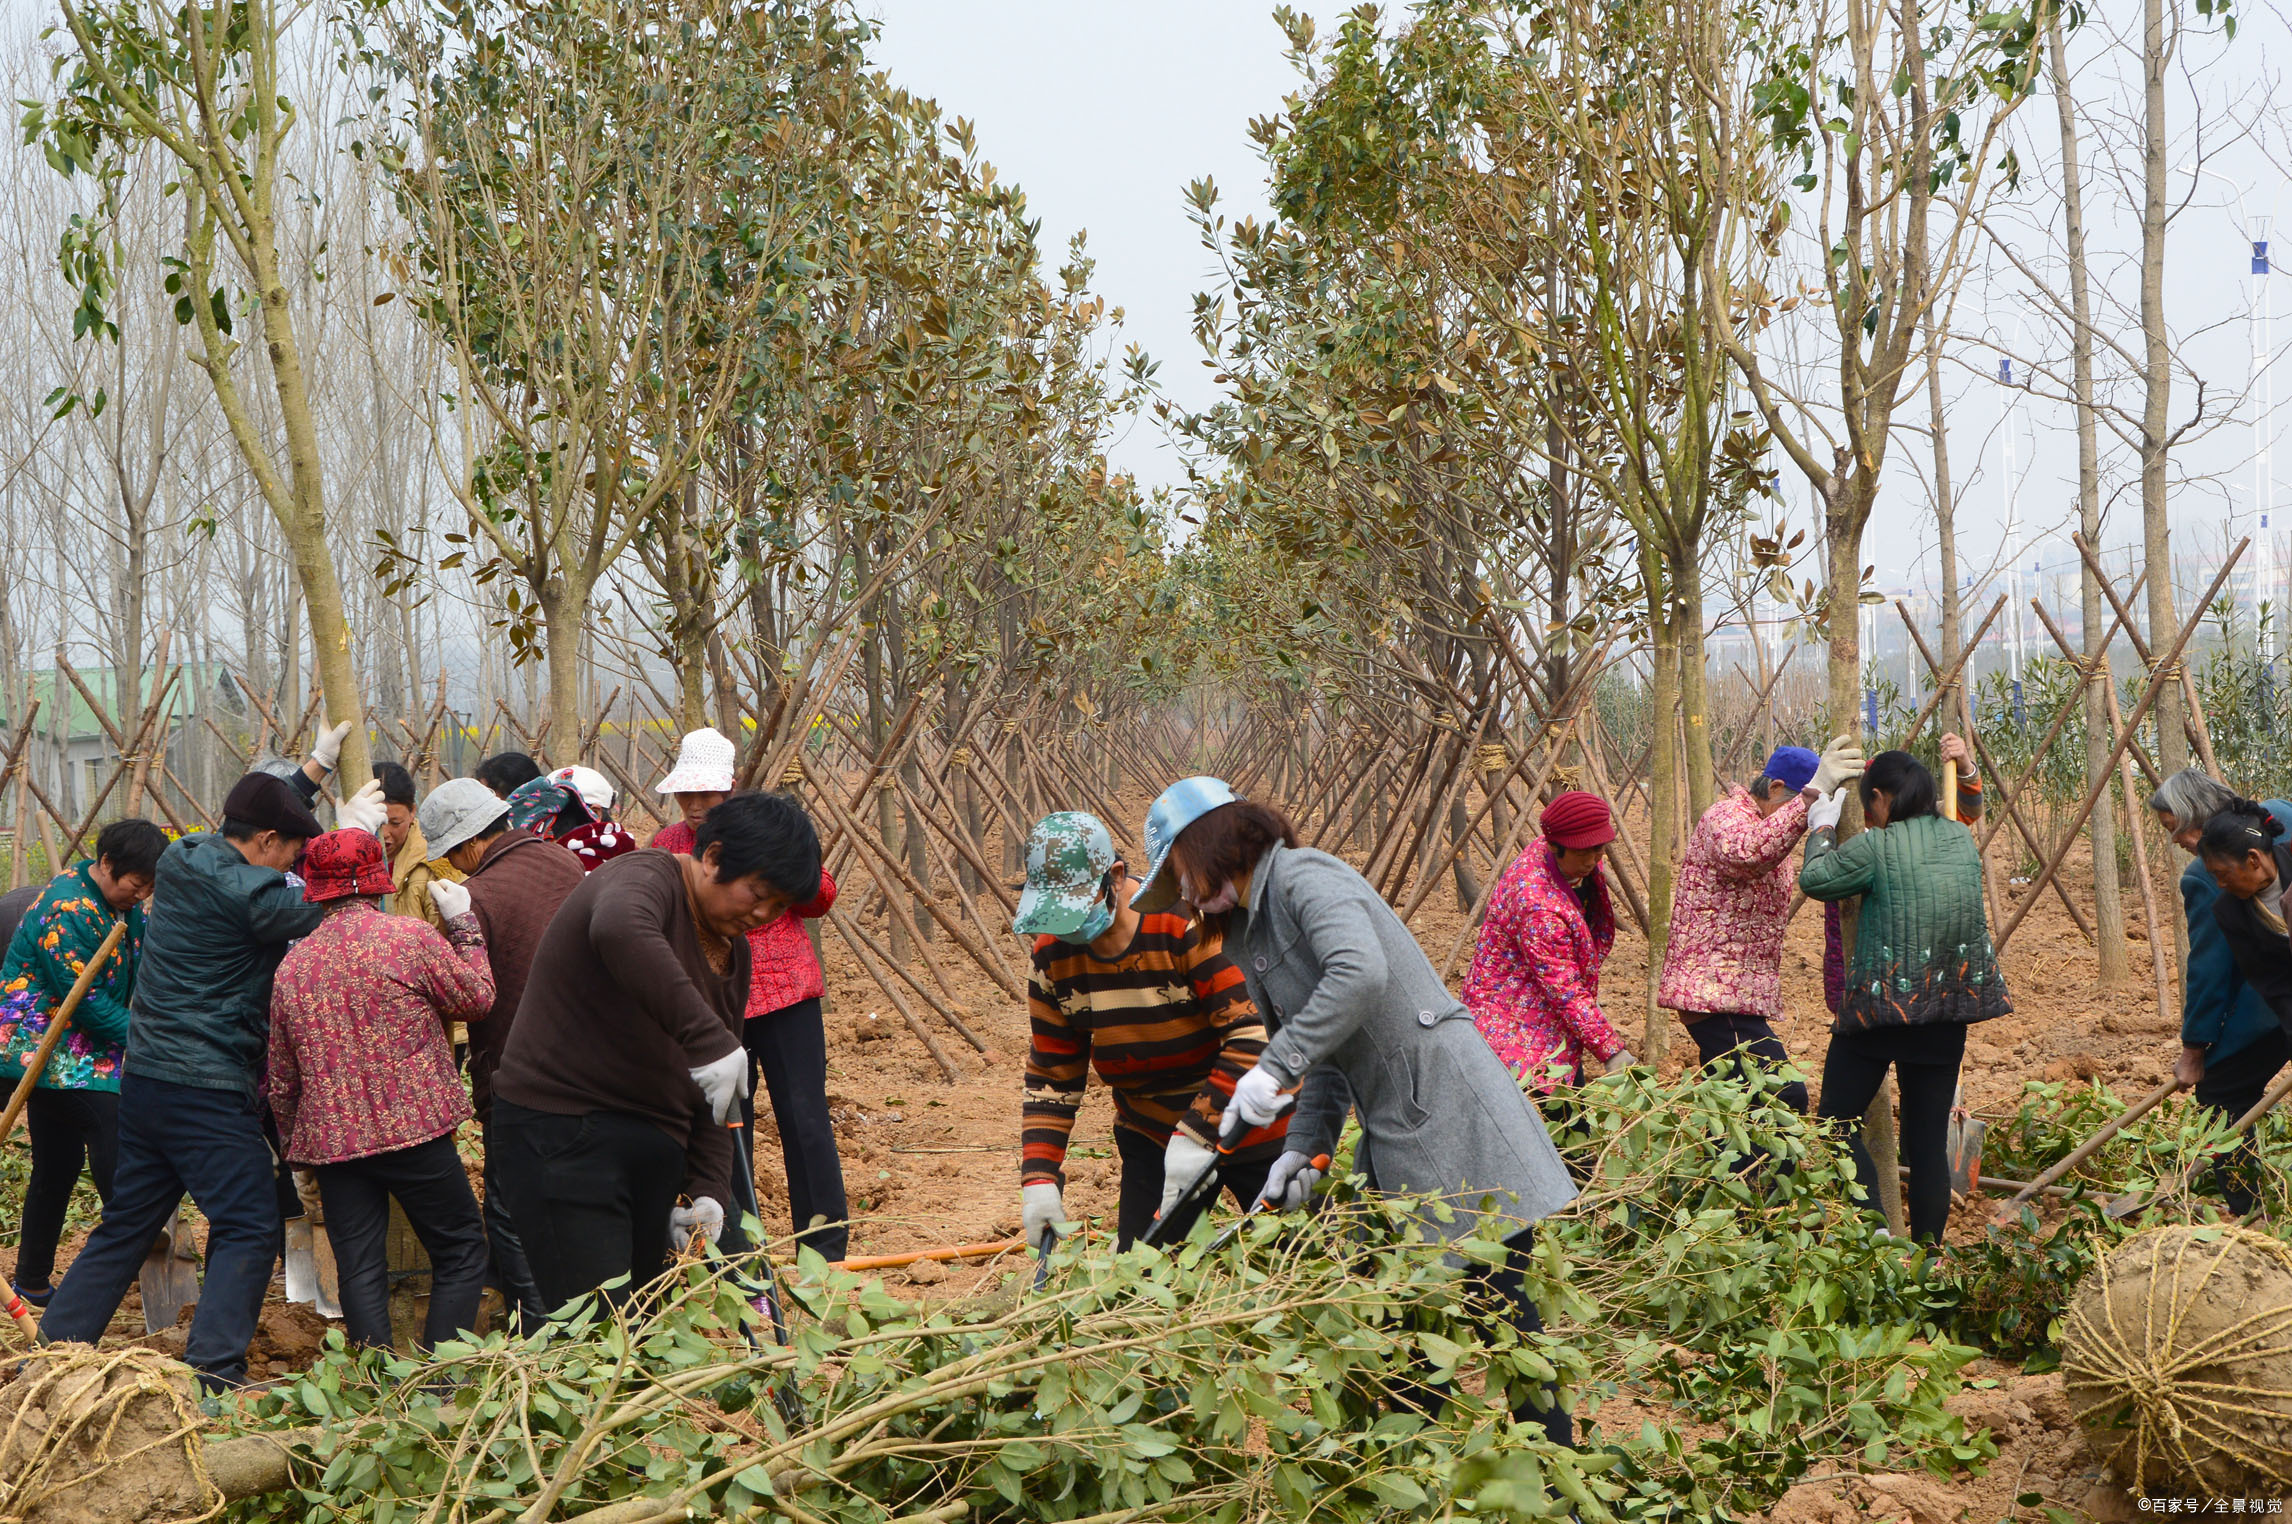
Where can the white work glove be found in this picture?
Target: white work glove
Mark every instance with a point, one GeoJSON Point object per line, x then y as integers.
{"type": "Point", "coordinates": [724, 1081]}
{"type": "Point", "coordinates": [1289, 1182]}
{"type": "Point", "coordinates": [364, 810]}
{"type": "Point", "coordinates": [1258, 1099]}
{"type": "Point", "coordinates": [306, 1191]}
{"type": "Point", "coordinates": [1184, 1162]}
{"type": "Point", "coordinates": [1618, 1064]}
{"type": "Point", "coordinates": [452, 900]}
{"type": "Point", "coordinates": [1841, 763]}
{"type": "Point", "coordinates": [327, 749]}
{"type": "Point", "coordinates": [705, 1217]}
{"type": "Point", "coordinates": [1822, 815]}
{"type": "Point", "coordinates": [1040, 1210]}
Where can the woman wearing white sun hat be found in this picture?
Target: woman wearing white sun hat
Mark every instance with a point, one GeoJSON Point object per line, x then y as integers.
{"type": "Point", "coordinates": [785, 1033]}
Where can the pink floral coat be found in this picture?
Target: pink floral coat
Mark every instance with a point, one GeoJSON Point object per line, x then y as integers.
{"type": "Point", "coordinates": [1728, 912]}
{"type": "Point", "coordinates": [1534, 984]}
{"type": "Point", "coordinates": [360, 1063]}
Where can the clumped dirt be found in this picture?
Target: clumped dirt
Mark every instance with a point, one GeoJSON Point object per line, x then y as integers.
{"type": "Point", "coordinates": [2191, 1327]}
{"type": "Point", "coordinates": [89, 1441]}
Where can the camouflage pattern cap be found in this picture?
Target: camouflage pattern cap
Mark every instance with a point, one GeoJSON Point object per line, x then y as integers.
{"type": "Point", "coordinates": [1068, 855]}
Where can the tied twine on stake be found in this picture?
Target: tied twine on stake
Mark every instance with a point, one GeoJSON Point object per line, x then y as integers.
{"type": "Point", "coordinates": [67, 1415]}
{"type": "Point", "coordinates": [1492, 757]}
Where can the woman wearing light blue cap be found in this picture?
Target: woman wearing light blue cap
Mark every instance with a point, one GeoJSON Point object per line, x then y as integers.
{"type": "Point", "coordinates": [1359, 1021]}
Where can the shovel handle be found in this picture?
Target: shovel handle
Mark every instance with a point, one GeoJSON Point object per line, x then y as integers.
{"type": "Point", "coordinates": [25, 1322]}
{"type": "Point", "coordinates": [2092, 1145]}
{"type": "Point", "coordinates": [55, 1034]}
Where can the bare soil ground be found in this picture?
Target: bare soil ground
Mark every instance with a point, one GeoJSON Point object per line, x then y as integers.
{"type": "Point", "coordinates": [932, 1163]}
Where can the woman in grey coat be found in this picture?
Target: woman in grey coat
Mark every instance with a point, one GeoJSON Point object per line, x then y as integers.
{"type": "Point", "coordinates": [1356, 1020]}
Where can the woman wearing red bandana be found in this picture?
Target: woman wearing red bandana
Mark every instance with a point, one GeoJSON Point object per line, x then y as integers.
{"type": "Point", "coordinates": [1534, 984]}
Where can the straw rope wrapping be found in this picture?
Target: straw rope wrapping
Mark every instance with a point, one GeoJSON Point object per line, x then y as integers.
{"type": "Point", "coordinates": [84, 1397]}
{"type": "Point", "coordinates": [2205, 1404]}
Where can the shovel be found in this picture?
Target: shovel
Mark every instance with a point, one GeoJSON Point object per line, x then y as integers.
{"type": "Point", "coordinates": [310, 1268]}
{"type": "Point", "coordinates": [2132, 1201]}
{"type": "Point", "coordinates": [2086, 1150]}
{"type": "Point", "coordinates": [170, 1279]}
{"type": "Point", "coordinates": [1965, 1145]}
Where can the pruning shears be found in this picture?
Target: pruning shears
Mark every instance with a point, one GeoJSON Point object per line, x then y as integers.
{"type": "Point", "coordinates": [1232, 1230]}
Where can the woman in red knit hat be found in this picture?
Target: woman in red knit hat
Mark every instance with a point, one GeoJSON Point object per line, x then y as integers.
{"type": "Point", "coordinates": [1534, 984]}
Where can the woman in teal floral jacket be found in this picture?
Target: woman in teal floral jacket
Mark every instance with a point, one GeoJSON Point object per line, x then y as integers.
{"type": "Point", "coordinates": [73, 1115]}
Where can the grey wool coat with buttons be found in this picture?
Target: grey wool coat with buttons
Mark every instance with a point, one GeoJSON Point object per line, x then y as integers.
{"type": "Point", "coordinates": [1357, 1015]}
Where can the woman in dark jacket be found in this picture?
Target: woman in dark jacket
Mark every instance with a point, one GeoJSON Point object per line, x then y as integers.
{"type": "Point", "coordinates": [2244, 850]}
{"type": "Point", "coordinates": [2232, 1045]}
{"type": "Point", "coordinates": [1922, 972]}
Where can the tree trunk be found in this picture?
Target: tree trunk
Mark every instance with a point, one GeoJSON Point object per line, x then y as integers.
{"type": "Point", "coordinates": [1663, 782]}
{"type": "Point", "coordinates": [305, 525]}
{"type": "Point", "coordinates": [1845, 511]}
{"type": "Point", "coordinates": [562, 609]}
{"type": "Point", "coordinates": [2108, 901]}
{"type": "Point", "coordinates": [2157, 383]}
{"type": "Point", "coordinates": [1694, 682]}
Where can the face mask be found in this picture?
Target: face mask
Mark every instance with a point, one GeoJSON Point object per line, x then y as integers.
{"type": "Point", "coordinates": [1101, 917]}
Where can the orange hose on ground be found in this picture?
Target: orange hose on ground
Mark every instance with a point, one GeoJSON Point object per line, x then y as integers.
{"type": "Point", "coordinates": [959, 1251]}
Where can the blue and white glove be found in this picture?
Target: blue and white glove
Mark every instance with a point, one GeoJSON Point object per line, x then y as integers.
{"type": "Point", "coordinates": [1289, 1182]}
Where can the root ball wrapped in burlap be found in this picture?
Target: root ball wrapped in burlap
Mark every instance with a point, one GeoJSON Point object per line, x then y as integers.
{"type": "Point", "coordinates": [103, 1437]}
{"type": "Point", "coordinates": [2177, 1353]}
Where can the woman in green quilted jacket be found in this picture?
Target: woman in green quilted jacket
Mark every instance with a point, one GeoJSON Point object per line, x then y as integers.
{"type": "Point", "coordinates": [1922, 972]}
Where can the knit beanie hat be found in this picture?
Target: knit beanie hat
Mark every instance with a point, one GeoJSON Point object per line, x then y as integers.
{"type": "Point", "coordinates": [1576, 819]}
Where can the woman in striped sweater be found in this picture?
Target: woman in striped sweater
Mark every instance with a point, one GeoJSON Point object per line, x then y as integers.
{"type": "Point", "coordinates": [1151, 1002]}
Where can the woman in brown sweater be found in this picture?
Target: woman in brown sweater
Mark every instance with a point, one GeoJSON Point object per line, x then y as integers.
{"type": "Point", "coordinates": [625, 1060]}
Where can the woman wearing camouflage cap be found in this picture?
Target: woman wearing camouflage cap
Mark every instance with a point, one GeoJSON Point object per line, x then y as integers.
{"type": "Point", "coordinates": [1152, 1003]}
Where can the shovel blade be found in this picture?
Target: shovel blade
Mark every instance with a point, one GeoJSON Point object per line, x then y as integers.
{"type": "Point", "coordinates": [1966, 1154]}
{"type": "Point", "coordinates": [301, 1262]}
{"type": "Point", "coordinates": [170, 1280]}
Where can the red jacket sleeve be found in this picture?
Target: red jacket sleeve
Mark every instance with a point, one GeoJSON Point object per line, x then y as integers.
{"type": "Point", "coordinates": [819, 904]}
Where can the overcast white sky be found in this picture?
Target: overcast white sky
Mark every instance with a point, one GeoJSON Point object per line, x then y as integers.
{"type": "Point", "coordinates": [1103, 111]}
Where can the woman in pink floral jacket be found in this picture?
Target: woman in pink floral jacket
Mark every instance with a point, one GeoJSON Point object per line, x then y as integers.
{"type": "Point", "coordinates": [1534, 985]}
{"type": "Point", "coordinates": [1722, 963]}
{"type": "Point", "coordinates": [363, 1084]}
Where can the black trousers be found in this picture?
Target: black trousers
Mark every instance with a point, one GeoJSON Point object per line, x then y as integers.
{"type": "Point", "coordinates": [2231, 1087]}
{"type": "Point", "coordinates": [1503, 1294]}
{"type": "Point", "coordinates": [789, 1048]}
{"type": "Point", "coordinates": [509, 1273]}
{"type": "Point", "coordinates": [590, 1195]}
{"type": "Point", "coordinates": [1737, 1042]}
{"type": "Point", "coordinates": [1925, 1062]}
{"type": "Point", "coordinates": [1142, 1187]}
{"type": "Point", "coordinates": [428, 1181]}
{"type": "Point", "coordinates": [69, 1128]}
